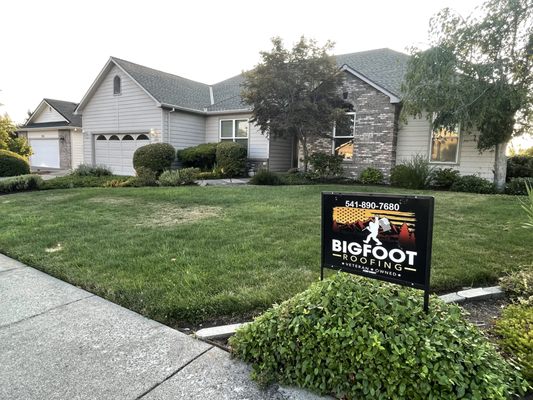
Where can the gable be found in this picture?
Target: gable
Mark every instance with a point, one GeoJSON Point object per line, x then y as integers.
{"type": "Point", "coordinates": [46, 113]}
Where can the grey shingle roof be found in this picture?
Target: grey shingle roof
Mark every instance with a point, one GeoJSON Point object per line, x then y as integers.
{"type": "Point", "coordinates": [384, 67]}
{"type": "Point", "coordinates": [168, 88]}
{"type": "Point", "coordinates": [66, 109]}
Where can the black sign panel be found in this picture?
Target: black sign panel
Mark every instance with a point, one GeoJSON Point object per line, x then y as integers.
{"type": "Point", "coordinates": [380, 236]}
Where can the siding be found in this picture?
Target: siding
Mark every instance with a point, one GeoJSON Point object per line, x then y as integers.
{"type": "Point", "coordinates": [257, 142]}
{"type": "Point", "coordinates": [413, 138]}
{"type": "Point", "coordinates": [48, 115]}
{"type": "Point", "coordinates": [186, 129]}
{"type": "Point", "coordinates": [43, 135]}
{"type": "Point", "coordinates": [76, 143]}
{"type": "Point", "coordinates": [280, 155]}
{"type": "Point", "coordinates": [131, 112]}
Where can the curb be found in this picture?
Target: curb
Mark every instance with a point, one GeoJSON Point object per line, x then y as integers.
{"type": "Point", "coordinates": [462, 296]}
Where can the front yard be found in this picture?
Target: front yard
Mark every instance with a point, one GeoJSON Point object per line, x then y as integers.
{"type": "Point", "coordinates": [196, 255]}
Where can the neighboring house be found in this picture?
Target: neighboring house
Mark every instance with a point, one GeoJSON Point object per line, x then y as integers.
{"type": "Point", "coordinates": [54, 134]}
{"type": "Point", "coordinates": [130, 105]}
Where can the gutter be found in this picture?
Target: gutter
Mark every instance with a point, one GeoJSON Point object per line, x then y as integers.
{"type": "Point", "coordinates": [205, 112]}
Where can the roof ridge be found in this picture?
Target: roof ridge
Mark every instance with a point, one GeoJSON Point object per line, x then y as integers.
{"type": "Point", "coordinates": [62, 101]}
{"type": "Point", "coordinates": [371, 51]}
{"type": "Point", "coordinates": [159, 71]}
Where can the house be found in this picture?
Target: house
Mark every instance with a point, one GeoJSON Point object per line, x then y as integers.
{"type": "Point", "coordinates": [54, 133]}
{"type": "Point", "coordinates": [129, 105]}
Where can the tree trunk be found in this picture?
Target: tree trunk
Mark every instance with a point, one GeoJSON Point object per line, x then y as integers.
{"type": "Point", "coordinates": [303, 141]}
{"type": "Point", "coordinates": [500, 167]}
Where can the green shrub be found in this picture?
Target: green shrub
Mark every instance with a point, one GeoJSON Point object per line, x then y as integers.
{"type": "Point", "coordinates": [517, 186]}
{"type": "Point", "coordinates": [298, 178]}
{"type": "Point", "coordinates": [326, 165]}
{"type": "Point", "coordinates": [358, 338]}
{"type": "Point", "coordinates": [156, 156]}
{"type": "Point", "coordinates": [72, 181]}
{"type": "Point", "coordinates": [210, 175]}
{"type": "Point", "coordinates": [145, 177]}
{"type": "Point", "coordinates": [12, 164]}
{"type": "Point", "coordinates": [415, 173]}
{"type": "Point", "coordinates": [90, 170]}
{"type": "Point", "coordinates": [264, 177]}
{"type": "Point", "coordinates": [515, 328]}
{"type": "Point", "coordinates": [519, 284]}
{"type": "Point", "coordinates": [202, 156]}
{"type": "Point", "coordinates": [527, 206]}
{"type": "Point", "coordinates": [371, 176]}
{"type": "Point", "coordinates": [473, 184]}
{"type": "Point", "coordinates": [20, 183]}
{"type": "Point", "coordinates": [519, 167]}
{"type": "Point", "coordinates": [231, 159]}
{"type": "Point", "coordinates": [444, 178]}
{"type": "Point", "coordinates": [184, 176]}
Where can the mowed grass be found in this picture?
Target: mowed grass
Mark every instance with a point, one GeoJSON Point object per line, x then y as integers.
{"type": "Point", "coordinates": [192, 255]}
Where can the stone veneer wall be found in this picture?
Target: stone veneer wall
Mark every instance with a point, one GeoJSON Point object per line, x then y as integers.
{"type": "Point", "coordinates": [376, 129]}
{"type": "Point", "coordinates": [64, 149]}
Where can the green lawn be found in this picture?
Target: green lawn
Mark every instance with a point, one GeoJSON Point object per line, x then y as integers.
{"type": "Point", "coordinates": [208, 254]}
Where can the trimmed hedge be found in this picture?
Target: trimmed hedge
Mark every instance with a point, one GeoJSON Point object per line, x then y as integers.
{"type": "Point", "coordinates": [326, 165]}
{"type": "Point", "coordinates": [13, 164]}
{"type": "Point", "coordinates": [473, 184]}
{"type": "Point", "coordinates": [231, 159]}
{"type": "Point", "coordinates": [90, 170]}
{"type": "Point", "coordinates": [371, 176]}
{"type": "Point", "coordinates": [520, 167]}
{"type": "Point", "coordinates": [73, 181]}
{"type": "Point", "coordinates": [202, 156]}
{"type": "Point", "coordinates": [20, 183]}
{"type": "Point", "coordinates": [358, 338]}
{"type": "Point", "coordinates": [156, 156]}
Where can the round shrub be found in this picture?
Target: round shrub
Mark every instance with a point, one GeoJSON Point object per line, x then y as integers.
{"type": "Point", "coordinates": [357, 338]}
{"type": "Point", "coordinates": [231, 159]}
{"type": "Point", "coordinates": [12, 164]}
{"type": "Point", "coordinates": [518, 186]}
{"type": "Point", "coordinates": [326, 165]}
{"type": "Point", "coordinates": [202, 156]}
{"type": "Point", "coordinates": [156, 156]}
{"type": "Point", "coordinates": [371, 176]}
{"type": "Point", "coordinates": [444, 178]}
{"type": "Point", "coordinates": [415, 173]}
{"type": "Point", "coordinates": [264, 177]}
{"type": "Point", "coordinates": [473, 184]}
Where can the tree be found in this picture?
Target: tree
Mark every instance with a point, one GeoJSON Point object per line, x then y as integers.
{"type": "Point", "coordinates": [295, 93]}
{"type": "Point", "coordinates": [10, 141]}
{"type": "Point", "coordinates": [477, 74]}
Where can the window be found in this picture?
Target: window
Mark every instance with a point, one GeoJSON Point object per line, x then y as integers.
{"type": "Point", "coordinates": [127, 137]}
{"type": "Point", "coordinates": [235, 130]}
{"type": "Point", "coordinates": [116, 85]}
{"type": "Point", "coordinates": [101, 137]}
{"type": "Point", "coordinates": [143, 137]}
{"type": "Point", "coordinates": [343, 138]}
{"type": "Point", "coordinates": [444, 146]}
{"type": "Point", "coordinates": [114, 137]}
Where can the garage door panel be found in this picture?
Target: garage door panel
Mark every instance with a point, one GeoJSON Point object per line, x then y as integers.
{"type": "Point", "coordinates": [45, 153]}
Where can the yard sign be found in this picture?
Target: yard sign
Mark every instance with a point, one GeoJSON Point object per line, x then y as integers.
{"type": "Point", "coordinates": [380, 236]}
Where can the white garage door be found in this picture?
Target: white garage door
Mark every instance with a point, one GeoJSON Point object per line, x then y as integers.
{"type": "Point", "coordinates": [116, 151]}
{"type": "Point", "coordinates": [45, 153]}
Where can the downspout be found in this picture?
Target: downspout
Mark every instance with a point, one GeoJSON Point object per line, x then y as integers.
{"type": "Point", "coordinates": [168, 122]}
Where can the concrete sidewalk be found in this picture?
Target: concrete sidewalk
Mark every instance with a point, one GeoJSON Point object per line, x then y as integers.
{"type": "Point", "coordinates": [60, 342]}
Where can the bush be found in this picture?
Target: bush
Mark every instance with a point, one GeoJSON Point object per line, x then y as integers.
{"type": "Point", "coordinates": [326, 165]}
{"type": "Point", "coordinates": [515, 328]}
{"type": "Point", "coordinates": [89, 170]}
{"type": "Point", "coordinates": [413, 174]}
{"type": "Point", "coordinates": [12, 164]}
{"type": "Point", "coordinates": [156, 156]}
{"type": "Point", "coordinates": [371, 176]}
{"type": "Point", "coordinates": [473, 184]}
{"type": "Point", "coordinates": [202, 156]}
{"type": "Point", "coordinates": [518, 186]}
{"type": "Point", "coordinates": [264, 177]}
{"type": "Point", "coordinates": [20, 183]}
{"type": "Point", "coordinates": [444, 178]}
{"type": "Point", "coordinates": [145, 177]}
{"type": "Point", "coordinates": [185, 176]}
{"type": "Point", "coordinates": [231, 159]}
{"type": "Point", "coordinates": [519, 284]}
{"type": "Point", "coordinates": [72, 181]}
{"type": "Point", "coordinates": [520, 167]}
{"type": "Point", "coordinates": [361, 339]}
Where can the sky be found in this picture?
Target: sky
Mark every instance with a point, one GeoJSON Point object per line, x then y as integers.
{"type": "Point", "coordinates": [56, 49]}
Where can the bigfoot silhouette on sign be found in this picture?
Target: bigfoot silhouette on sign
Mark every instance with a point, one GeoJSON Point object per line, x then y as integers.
{"type": "Point", "coordinates": [373, 227]}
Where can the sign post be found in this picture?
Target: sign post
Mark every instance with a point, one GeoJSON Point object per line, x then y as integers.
{"type": "Point", "coordinates": [379, 236]}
